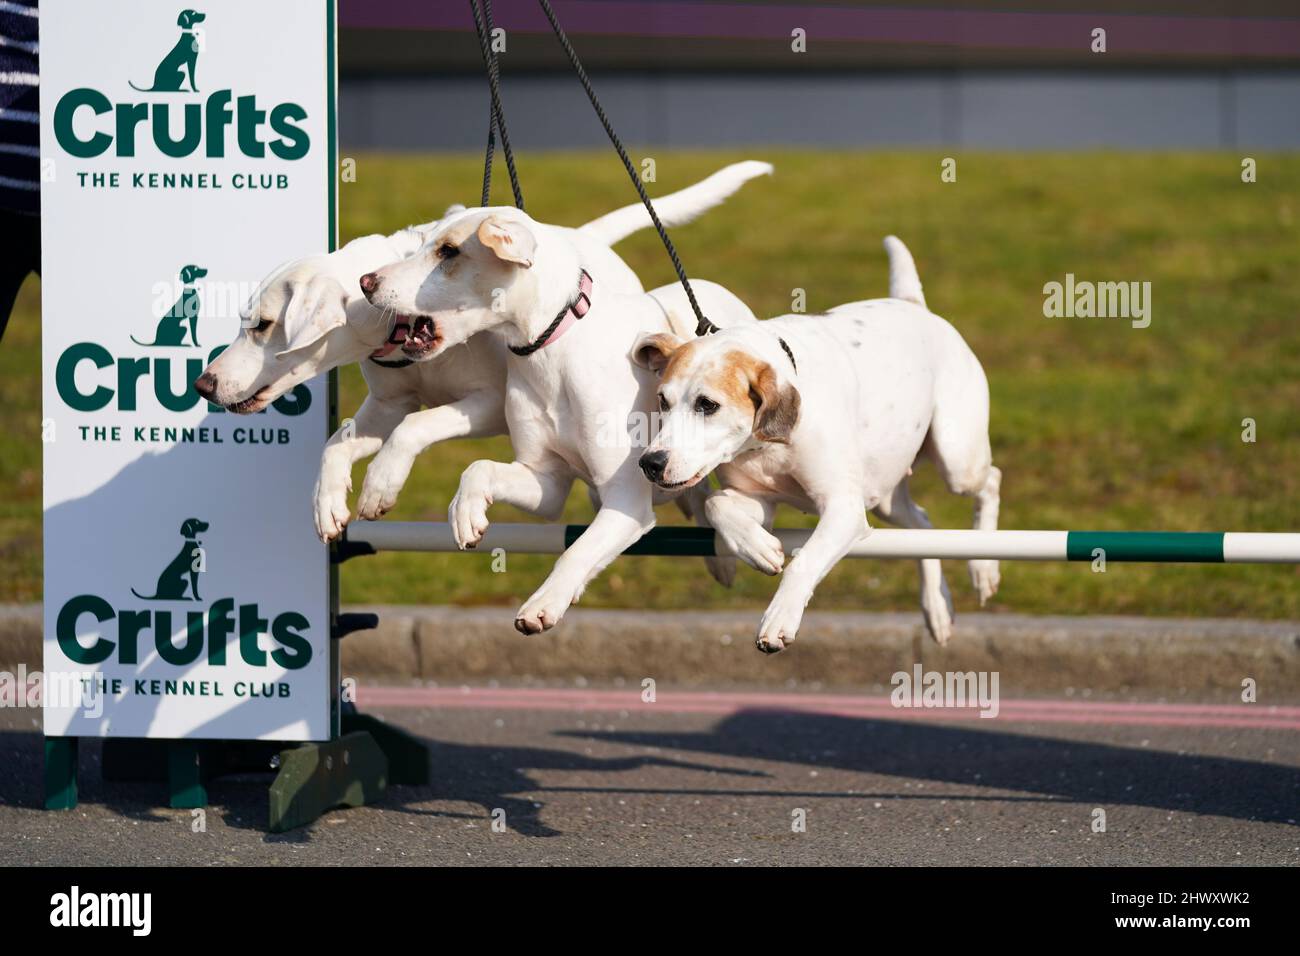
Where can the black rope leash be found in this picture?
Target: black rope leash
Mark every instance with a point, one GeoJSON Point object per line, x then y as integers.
{"type": "Point", "coordinates": [490, 149]}
{"type": "Point", "coordinates": [703, 325]}
{"type": "Point", "coordinates": [496, 114]}
{"type": "Point", "coordinates": [790, 355]}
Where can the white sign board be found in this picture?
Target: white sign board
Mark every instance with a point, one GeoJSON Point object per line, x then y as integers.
{"type": "Point", "coordinates": [185, 153]}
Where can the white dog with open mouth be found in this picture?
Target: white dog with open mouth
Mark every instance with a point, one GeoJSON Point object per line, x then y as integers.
{"type": "Point", "coordinates": [308, 316]}
{"type": "Point", "coordinates": [575, 406]}
{"type": "Point", "coordinates": [826, 413]}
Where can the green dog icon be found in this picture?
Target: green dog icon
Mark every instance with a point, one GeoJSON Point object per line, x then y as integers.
{"type": "Point", "coordinates": [179, 62]}
{"type": "Point", "coordinates": [180, 575]}
{"type": "Point", "coordinates": [172, 326]}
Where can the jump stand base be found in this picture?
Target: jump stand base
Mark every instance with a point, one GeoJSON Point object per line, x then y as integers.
{"type": "Point", "coordinates": [186, 787]}
{"type": "Point", "coordinates": [408, 757]}
{"type": "Point", "coordinates": [348, 772]}
{"type": "Point", "coordinates": [312, 778]}
{"type": "Point", "coordinates": [60, 773]}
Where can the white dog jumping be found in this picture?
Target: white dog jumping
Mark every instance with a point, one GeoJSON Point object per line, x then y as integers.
{"type": "Point", "coordinates": [309, 316]}
{"type": "Point", "coordinates": [826, 413]}
{"type": "Point", "coordinates": [576, 407]}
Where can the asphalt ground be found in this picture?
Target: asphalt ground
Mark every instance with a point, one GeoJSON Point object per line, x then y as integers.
{"type": "Point", "coordinates": [599, 776]}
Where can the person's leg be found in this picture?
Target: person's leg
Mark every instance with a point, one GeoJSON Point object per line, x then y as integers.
{"type": "Point", "coordinates": [24, 256]}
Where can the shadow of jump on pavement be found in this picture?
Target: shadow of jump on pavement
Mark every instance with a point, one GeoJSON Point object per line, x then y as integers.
{"type": "Point", "coordinates": [1029, 768]}
{"type": "Point", "coordinates": [1103, 775]}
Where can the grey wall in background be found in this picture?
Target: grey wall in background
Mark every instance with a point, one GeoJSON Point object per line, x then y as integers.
{"type": "Point", "coordinates": [1022, 109]}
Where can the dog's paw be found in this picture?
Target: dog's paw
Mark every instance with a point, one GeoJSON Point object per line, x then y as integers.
{"type": "Point", "coordinates": [744, 537]}
{"type": "Point", "coordinates": [331, 511]}
{"type": "Point", "coordinates": [384, 480]}
{"type": "Point", "coordinates": [780, 624]}
{"type": "Point", "coordinates": [467, 515]}
{"type": "Point", "coordinates": [756, 546]}
{"type": "Point", "coordinates": [938, 613]}
{"type": "Point", "coordinates": [722, 569]}
{"type": "Point", "coordinates": [985, 577]}
{"type": "Point", "coordinates": [543, 610]}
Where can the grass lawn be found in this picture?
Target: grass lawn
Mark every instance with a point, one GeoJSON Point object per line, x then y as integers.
{"type": "Point", "coordinates": [1096, 425]}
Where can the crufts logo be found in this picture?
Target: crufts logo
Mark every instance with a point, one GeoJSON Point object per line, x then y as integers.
{"type": "Point", "coordinates": [125, 378]}
{"type": "Point", "coordinates": [182, 572]}
{"type": "Point", "coordinates": [206, 124]}
{"type": "Point", "coordinates": [178, 65]}
{"type": "Point", "coordinates": [76, 908]}
{"type": "Point", "coordinates": [183, 316]}
{"type": "Point", "coordinates": [90, 630]}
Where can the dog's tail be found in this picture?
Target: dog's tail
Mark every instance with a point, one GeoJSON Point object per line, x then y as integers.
{"type": "Point", "coordinates": [142, 89]}
{"type": "Point", "coordinates": [679, 208]}
{"type": "Point", "coordinates": [904, 283]}
{"type": "Point", "coordinates": [138, 342]}
{"type": "Point", "coordinates": [144, 597]}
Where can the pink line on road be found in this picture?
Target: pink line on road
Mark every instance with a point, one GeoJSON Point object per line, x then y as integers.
{"type": "Point", "coordinates": [837, 705]}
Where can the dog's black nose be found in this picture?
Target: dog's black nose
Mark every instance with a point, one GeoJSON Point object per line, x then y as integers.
{"type": "Point", "coordinates": [369, 283]}
{"type": "Point", "coordinates": [206, 384]}
{"type": "Point", "coordinates": [653, 464]}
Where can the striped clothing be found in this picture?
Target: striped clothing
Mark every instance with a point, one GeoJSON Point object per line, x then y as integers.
{"type": "Point", "coordinates": [20, 132]}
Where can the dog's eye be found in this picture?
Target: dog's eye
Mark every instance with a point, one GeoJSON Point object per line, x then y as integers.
{"type": "Point", "coordinates": [663, 403]}
{"type": "Point", "coordinates": [263, 325]}
{"type": "Point", "coordinates": [705, 406]}
{"type": "Point", "coordinates": [448, 251]}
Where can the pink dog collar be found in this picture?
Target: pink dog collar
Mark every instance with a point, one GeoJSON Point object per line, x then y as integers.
{"type": "Point", "coordinates": [564, 321]}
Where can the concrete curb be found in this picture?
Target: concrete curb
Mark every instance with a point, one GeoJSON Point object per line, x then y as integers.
{"type": "Point", "coordinates": [20, 636]}
{"type": "Point", "coordinates": [835, 649]}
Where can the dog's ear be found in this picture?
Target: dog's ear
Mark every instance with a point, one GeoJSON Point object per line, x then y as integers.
{"type": "Point", "coordinates": [453, 209]}
{"type": "Point", "coordinates": [654, 350]}
{"type": "Point", "coordinates": [511, 241]}
{"type": "Point", "coordinates": [776, 406]}
{"type": "Point", "coordinates": [316, 308]}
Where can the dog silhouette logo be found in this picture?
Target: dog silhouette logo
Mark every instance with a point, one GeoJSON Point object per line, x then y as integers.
{"type": "Point", "coordinates": [182, 319]}
{"type": "Point", "coordinates": [182, 573]}
{"type": "Point", "coordinates": [178, 65]}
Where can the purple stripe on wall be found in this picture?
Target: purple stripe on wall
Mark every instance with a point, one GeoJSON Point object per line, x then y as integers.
{"type": "Point", "coordinates": [1197, 36]}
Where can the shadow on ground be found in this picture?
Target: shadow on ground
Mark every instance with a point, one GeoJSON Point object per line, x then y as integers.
{"type": "Point", "coordinates": [1019, 767]}
{"type": "Point", "coordinates": [1035, 767]}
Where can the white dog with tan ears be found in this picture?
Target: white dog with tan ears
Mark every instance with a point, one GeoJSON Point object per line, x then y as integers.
{"type": "Point", "coordinates": [574, 403]}
{"type": "Point", "coordinates": [309, 316]}
{"type": "Point", "coordinates": [827, 413]}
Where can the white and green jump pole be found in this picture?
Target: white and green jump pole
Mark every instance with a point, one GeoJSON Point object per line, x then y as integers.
{"type": "Point", "coordinates": [1197, 547]}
